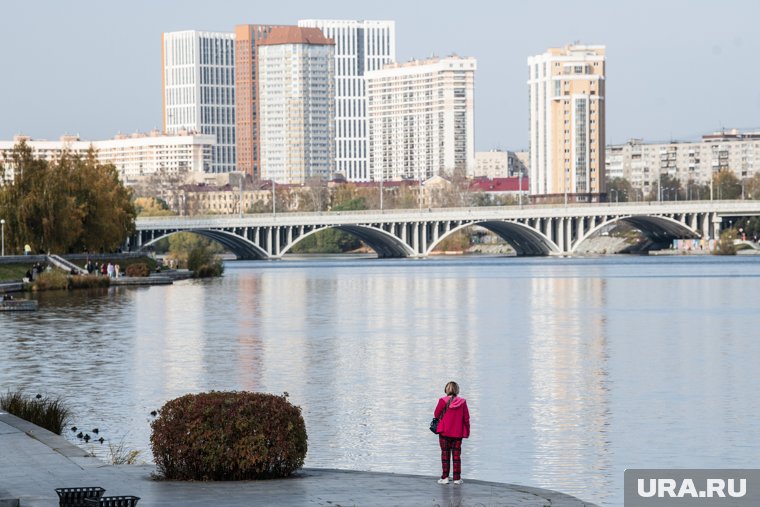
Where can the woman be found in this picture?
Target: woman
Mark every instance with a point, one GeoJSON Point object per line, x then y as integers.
{"type": "Point", "coordinates": [452, 428]}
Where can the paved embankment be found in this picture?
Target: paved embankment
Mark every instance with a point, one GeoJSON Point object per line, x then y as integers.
{"type": "Point", "coordinates": [33, 462]}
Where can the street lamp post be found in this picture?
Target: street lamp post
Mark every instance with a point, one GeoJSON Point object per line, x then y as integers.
{"type": "Point", "coordinates": [274, 198]}
{"type": "Point", "coordinates": [519, 187]}
{"type": "Point", "coordinates": [2, 225]}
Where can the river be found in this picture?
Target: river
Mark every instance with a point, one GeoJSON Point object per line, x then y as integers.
{"type": "Point", "coordinates": [574, 368]}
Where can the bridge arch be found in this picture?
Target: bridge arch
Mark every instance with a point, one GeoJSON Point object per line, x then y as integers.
{"type": "Point", "coordinates": [385, 244]}
{"type": "Point", "coordinates": [654, 227]}
{"type": "Point", "coordinates": [240, 246]}
{"type": "Point", "coordinates": [526, 240]}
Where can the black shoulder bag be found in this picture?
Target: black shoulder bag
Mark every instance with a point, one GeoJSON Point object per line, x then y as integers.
{"type": "Point", "coordinates": [434, 422]}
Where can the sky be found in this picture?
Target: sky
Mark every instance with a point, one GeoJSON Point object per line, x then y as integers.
{"type": "Point", "coordinates": [676, 69]}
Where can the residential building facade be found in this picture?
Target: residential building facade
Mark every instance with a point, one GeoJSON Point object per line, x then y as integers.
{"type": "Point", "coordinates": [297, 105]}
{"type": "Point", "coordinates": [421, 118]}
{"type": "Point", "coordinates": [135, 156]}
{"type": "Point", "coordinates": [198, 78]}
{"type": "Point", "coordinates": [247, 112]}
{"type": "Point", "coordinates": [498, 164]}
{"type": "Point", "coordinates": [567, 124]}
{"type": "Point", "coordinates": [360, 47]}
{"type": "Point", "coordinates": [643, 164]}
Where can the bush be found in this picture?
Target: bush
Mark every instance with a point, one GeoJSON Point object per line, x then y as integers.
{"type": "Point", "coordinates": [138, 269]}
{"type": "Point", "coordinates": [209, 271]}
{"type": "Point", "coordinates": [49, 413]}
{"type": "Point", "coordinates": [203, 262]}
{"type": "Point", "coordinates": [51, 280]}
{"type": "Point", "coordinates": [228, 436]}
{"type": "Point", "coordinates": [88, 281]}
{"type": "Point", "coordinates": [725, 245]}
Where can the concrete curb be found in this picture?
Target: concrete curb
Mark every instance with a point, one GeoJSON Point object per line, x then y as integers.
{"type": "Point", "coordinates": [308, 485]}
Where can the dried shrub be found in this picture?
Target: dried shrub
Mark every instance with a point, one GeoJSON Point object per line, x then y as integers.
{"type": "Point", "coordinates": [51, 280]}
{"type": "Point", "coordinates": [228, 436]}
{"type": "Point", "coordinates": [49, 413]}
{"type": "Point", "coordinates": [88, 281]}
{"type": "Point", "coordinates": [138, 269]}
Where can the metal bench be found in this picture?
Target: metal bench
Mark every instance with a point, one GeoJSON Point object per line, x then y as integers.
{"type": "Point", "coordinates": [75, 497]}
{"type": "Point", "coordinates": [112, 501]}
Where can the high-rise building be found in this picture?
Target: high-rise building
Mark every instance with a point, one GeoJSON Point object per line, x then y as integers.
{"type": "Point", "coordinates": [247, 111]}
{"type": "Point", "coordinates": [566, 95]}
{"type": "Point", "coordinates": [360, 46]}
{"type": "Point", "coordinates": [296, 71]}
{"type": "Point", "coordinates": [420, 118]}
{"type": "Point", "coordinates": [199, 89]}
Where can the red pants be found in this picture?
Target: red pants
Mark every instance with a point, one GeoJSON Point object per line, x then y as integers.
{"type": "Point", "coordinates": [451, 449]}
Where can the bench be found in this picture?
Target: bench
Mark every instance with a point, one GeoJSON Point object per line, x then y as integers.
{"type": "Point", "coordinates": [75, 497]}
{"type": "Point", "coordinates": [112, 501]}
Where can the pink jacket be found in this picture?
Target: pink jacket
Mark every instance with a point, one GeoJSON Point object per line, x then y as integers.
{"type": "Point", "coordinates": [456, 421]}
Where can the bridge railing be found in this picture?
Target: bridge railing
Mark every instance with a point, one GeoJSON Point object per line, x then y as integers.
{"type": "Point", "coordinates": [571, 209]}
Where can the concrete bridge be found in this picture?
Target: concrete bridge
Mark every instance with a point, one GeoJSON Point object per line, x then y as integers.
{"type": "Point", "coordinates": [531, 230]}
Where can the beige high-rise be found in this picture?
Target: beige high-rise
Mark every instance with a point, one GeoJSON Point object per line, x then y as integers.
{"type": "Point", "coordinates": [567, 124]}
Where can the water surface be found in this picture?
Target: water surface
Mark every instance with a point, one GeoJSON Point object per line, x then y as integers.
{"type": "Point", "coordinates": [574, 369]}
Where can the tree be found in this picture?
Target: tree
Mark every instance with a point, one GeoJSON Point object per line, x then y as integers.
{"type": "Point", "coordinates": [726, 185]}
{"type": "Point", "coordinates": [355, 204]}
{"type": "Point", "coordinates": [109, 215]}
{"type": "Point", "coordinates": [696, 191]}
{"type": "Point", "coordinates": [752, 187]}
{"type": "Point", "coordinates": [725, 244]}
{"type": "Point", "coordinates": [671, 189]}
{"type": "Point", "coordinates": [620, 190]}
{"type": "Point", "coordinates": [70, 204]}
{"type": "Point", "coordinates": [315, 195]}
{"type": "Point", "coordinates": [152, 207]}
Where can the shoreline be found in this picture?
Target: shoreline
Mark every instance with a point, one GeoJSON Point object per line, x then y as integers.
{"type": "Point", "coordinates": [36, 461]}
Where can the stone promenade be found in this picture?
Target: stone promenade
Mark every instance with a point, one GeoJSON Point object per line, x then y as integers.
{"type": "Point", "coordinates": [33, 462]}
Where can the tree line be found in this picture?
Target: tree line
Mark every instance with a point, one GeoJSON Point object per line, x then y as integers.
{"type": "Point", "coordinates": [724, 186]}
{"type": "Point", "coordinates": [70, 204]}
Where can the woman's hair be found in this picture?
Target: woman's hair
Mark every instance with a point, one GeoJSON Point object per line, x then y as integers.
{"type": "Point", "coordinates": [451, 388]}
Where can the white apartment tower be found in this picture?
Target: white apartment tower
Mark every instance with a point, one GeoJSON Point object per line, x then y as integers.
{"type": "Point", "coordinates": [296, 69]}
{"type": "Point", "coordinates": [198, 77]}
{"type": "Point", "coordinates": [567, 104]}
{"type": "Point", "coordinates": [421, 118]}
{"type": "Point", "coordinates": [360, 46]}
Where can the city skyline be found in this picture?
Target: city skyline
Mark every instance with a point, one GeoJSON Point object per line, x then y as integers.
{"type": "Point", "coordinates": [84, 74]}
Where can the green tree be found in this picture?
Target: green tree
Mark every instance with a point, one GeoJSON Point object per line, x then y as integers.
{"type": "Point", "coordinates": [697, 191]}
{"type": "Point", "coordinates": [355, 204]}
{"type": "Point", "coordinates": [620, 190]}
{"type": "Point", "coordinates": [182, 243]}
{"type": "Point", "coordinates": [726, 185]}
{"type": "Point", "coordinates": [327, 241]}
{"type": "Point", "coordinates": [671, 189]}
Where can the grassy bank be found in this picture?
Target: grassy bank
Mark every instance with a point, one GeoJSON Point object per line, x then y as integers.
{"type": "Point", "coordinates": [17, 271]}
{"type": "Point", "coordinates": [49, 413]}
{"type": "Point", "coordinates": [13, 271]}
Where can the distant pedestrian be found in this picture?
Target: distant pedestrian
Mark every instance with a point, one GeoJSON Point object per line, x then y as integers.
{"type": "Point", "coordinates": [104, 269]}
{"type": "Point", "coordinates": [453, 425]}
{"type": "Point", "coordinates": [116, 270]}
{"type": "Point", "coordinates": [110, 270]}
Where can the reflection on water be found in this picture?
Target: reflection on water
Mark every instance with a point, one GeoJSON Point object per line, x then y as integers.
{"type": "Point", "coordinates": [574, 369]}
